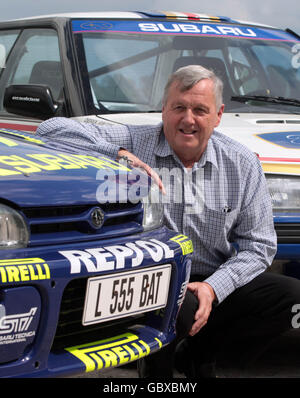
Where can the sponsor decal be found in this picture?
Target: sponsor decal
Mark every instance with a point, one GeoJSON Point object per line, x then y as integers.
{"type": "Point", "coordinates": [277, 168]}
{"type": "Point", "coordinates": [8, 142]}
{"type": "Point", "coordinates": [113, 352]}
{"type": "Point", "coordinates": [193, 28]}
{"type": "Point", "coordinates": [40, 162]}
{"type": "Point", "coordinates": [182, 292]}
{"type": "Point", "coordinates": [15, 328]}
{"type": "Point", "coordinates": [281, 165]}
{"type": "Point", "coordinates": [113, 257]}
{"type": "Point", "coordinates": [181, 28]}
{"type": "Point", "coordinates": [188, 15]}
{"type": "Point", "coordinates": [23, 270]}
{"type": "Point", "coordinates": [25, 99]}
{"type": "Point", "coordinates": [287, 139]}
{"type": "Point", "coordinates": [96, 26]}
{"type": "Point", "coordinates": [18, 126]}
{"type": "Point", "coordinates": [183, 287]}
{"type": "Point", "coordinates": [185, 243]}
{"type": "Point", "coordinates": [26, 137]}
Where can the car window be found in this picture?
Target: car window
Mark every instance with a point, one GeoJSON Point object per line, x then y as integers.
{"type": "Point", "coordinates": [7, 40]}
{"type": "Point", "coordinates": [247, 77]}
{"type": "Point", "coordinates": [35, 59]}
{"type": "Point", "coordinates": [133, 82]}
{"type": "Point", "coordinates": [126, 63]}
{"type": "Point", "coordinates": [277, 63]}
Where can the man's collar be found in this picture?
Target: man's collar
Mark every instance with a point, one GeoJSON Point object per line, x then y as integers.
{"type": "Point", "coordinates": [210, 154]}
{"type": "Point", "coordinates": [163, 149]}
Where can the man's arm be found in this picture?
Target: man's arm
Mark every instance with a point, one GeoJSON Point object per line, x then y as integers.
{"type": "Point", "coordinates": [109, 140]}
{"type": "Point", "coordinates": [104, 139]}
{"type": "Point", "coordinates": [136, 162]}
{"type": "Point", "coordinates": [256, 240]}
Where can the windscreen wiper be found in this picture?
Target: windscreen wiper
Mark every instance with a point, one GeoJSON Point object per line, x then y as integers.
{"type": "Point", "coordinates": [266, 98]}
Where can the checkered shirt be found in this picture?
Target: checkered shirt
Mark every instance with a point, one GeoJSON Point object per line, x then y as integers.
{"type": "Point", "coordinates": [232, 230]}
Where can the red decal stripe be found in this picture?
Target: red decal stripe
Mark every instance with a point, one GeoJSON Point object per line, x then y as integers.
{"type": "Point", "coordinates": [295, 160]}
{"type": "Point", "coordinates": [17, 126]}
{"type": "Point", "coordinates": [192, 16]}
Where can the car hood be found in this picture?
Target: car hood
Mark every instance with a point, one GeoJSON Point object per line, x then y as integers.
{"type": "Point", "coordinates": [36, 172]}
{"type": "Point", "coordinates": [275, 138]}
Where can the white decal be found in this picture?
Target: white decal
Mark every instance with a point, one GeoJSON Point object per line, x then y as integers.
{"type": "Point", "coordinates": [294, 139]}
{"type": "Point", "coordinates": [14, 328]}
{"type": "Point", "coordinates": [16, 323]}
{"type": "Point", "coordinates": [113, 257]}
{"type": "Point", "coordinates": [192, 28]}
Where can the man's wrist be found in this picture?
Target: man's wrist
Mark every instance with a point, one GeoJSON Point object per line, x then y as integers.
{"type": "Point", "coordinates": [213, 294]}
{"type": "Point", "coordinates": [122, 152]}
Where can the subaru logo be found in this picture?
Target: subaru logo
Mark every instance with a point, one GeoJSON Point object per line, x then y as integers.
{"type": "Point", "coordinates": [97, 217]}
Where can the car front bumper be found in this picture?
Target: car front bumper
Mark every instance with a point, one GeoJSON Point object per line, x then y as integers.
{"type": "Point", "coordinates": [42, 295]}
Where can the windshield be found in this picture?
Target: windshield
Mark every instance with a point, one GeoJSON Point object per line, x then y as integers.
{"type": "Point", "coordinates": [126, 63]}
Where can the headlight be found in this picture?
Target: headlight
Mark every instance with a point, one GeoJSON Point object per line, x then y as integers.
{"type": "Point", "coordinates": [153, 209]}
{"type": "Point", "coordinates": [13, 229]}
{"type": "Point", "coordinates": [285, 193]}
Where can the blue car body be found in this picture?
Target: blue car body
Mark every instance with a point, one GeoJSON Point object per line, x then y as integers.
{"type": "Point", "coordinates": [43, 285]}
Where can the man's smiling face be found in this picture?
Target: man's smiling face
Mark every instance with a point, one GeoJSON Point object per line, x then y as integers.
{"type": "Point", "coordinates": [189, 118]}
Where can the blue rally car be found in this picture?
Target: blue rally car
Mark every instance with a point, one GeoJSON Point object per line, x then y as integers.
{"type": "Point", "coordinates": [83, 285]}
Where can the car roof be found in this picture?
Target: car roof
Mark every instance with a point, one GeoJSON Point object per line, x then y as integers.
{"type": "Point", "coordinates": [180, 16]}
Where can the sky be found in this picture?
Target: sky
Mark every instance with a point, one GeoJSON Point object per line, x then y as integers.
{"type": "Point", "coordinates": [279, 13]}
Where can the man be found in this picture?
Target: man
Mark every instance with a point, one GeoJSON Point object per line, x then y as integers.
{"type": "Point", "coordinates": [232, 306]}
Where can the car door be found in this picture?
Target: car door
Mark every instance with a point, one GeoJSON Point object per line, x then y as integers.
{"type": "Point", "coordinates": [29, 57]}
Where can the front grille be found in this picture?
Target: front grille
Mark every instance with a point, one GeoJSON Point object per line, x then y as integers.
{"type": "Point", "coordinates": [288, 232]}
{"type": "Point", "coordinates": [67, 224]}
{"type": "Point", "coordinates": [70, 330]}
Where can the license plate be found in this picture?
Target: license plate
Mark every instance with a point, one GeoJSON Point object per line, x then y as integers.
{"type": "Point", "coordinates": [124, 294]}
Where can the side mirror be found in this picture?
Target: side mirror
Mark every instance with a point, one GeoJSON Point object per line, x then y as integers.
{"type": "Point", "coordinates": [31, 100]}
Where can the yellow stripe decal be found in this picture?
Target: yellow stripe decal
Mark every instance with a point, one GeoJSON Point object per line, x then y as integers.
{"type": "Point", "coordinates": [21, 261]}
{"type": "Point", "coordinates": [23, 270]}
{"type": "Point", "coordinates": [281, 168]}
{"type": "Point", "coordinates": [159, 342]}
{"type": "Point", "coordinates": [8, 142]}
{"type": "Point", "coordinates": [27, 138]}
{"type": "Point", "coordinates": [184, 242]}
{"type": "Point", "coordinates": [112, 352]}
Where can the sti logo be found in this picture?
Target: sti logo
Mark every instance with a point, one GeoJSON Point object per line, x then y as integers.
{"type": "Point", "coordinates": [17, 323]}
{"type": "Point", "coordinates": [288, 139]}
